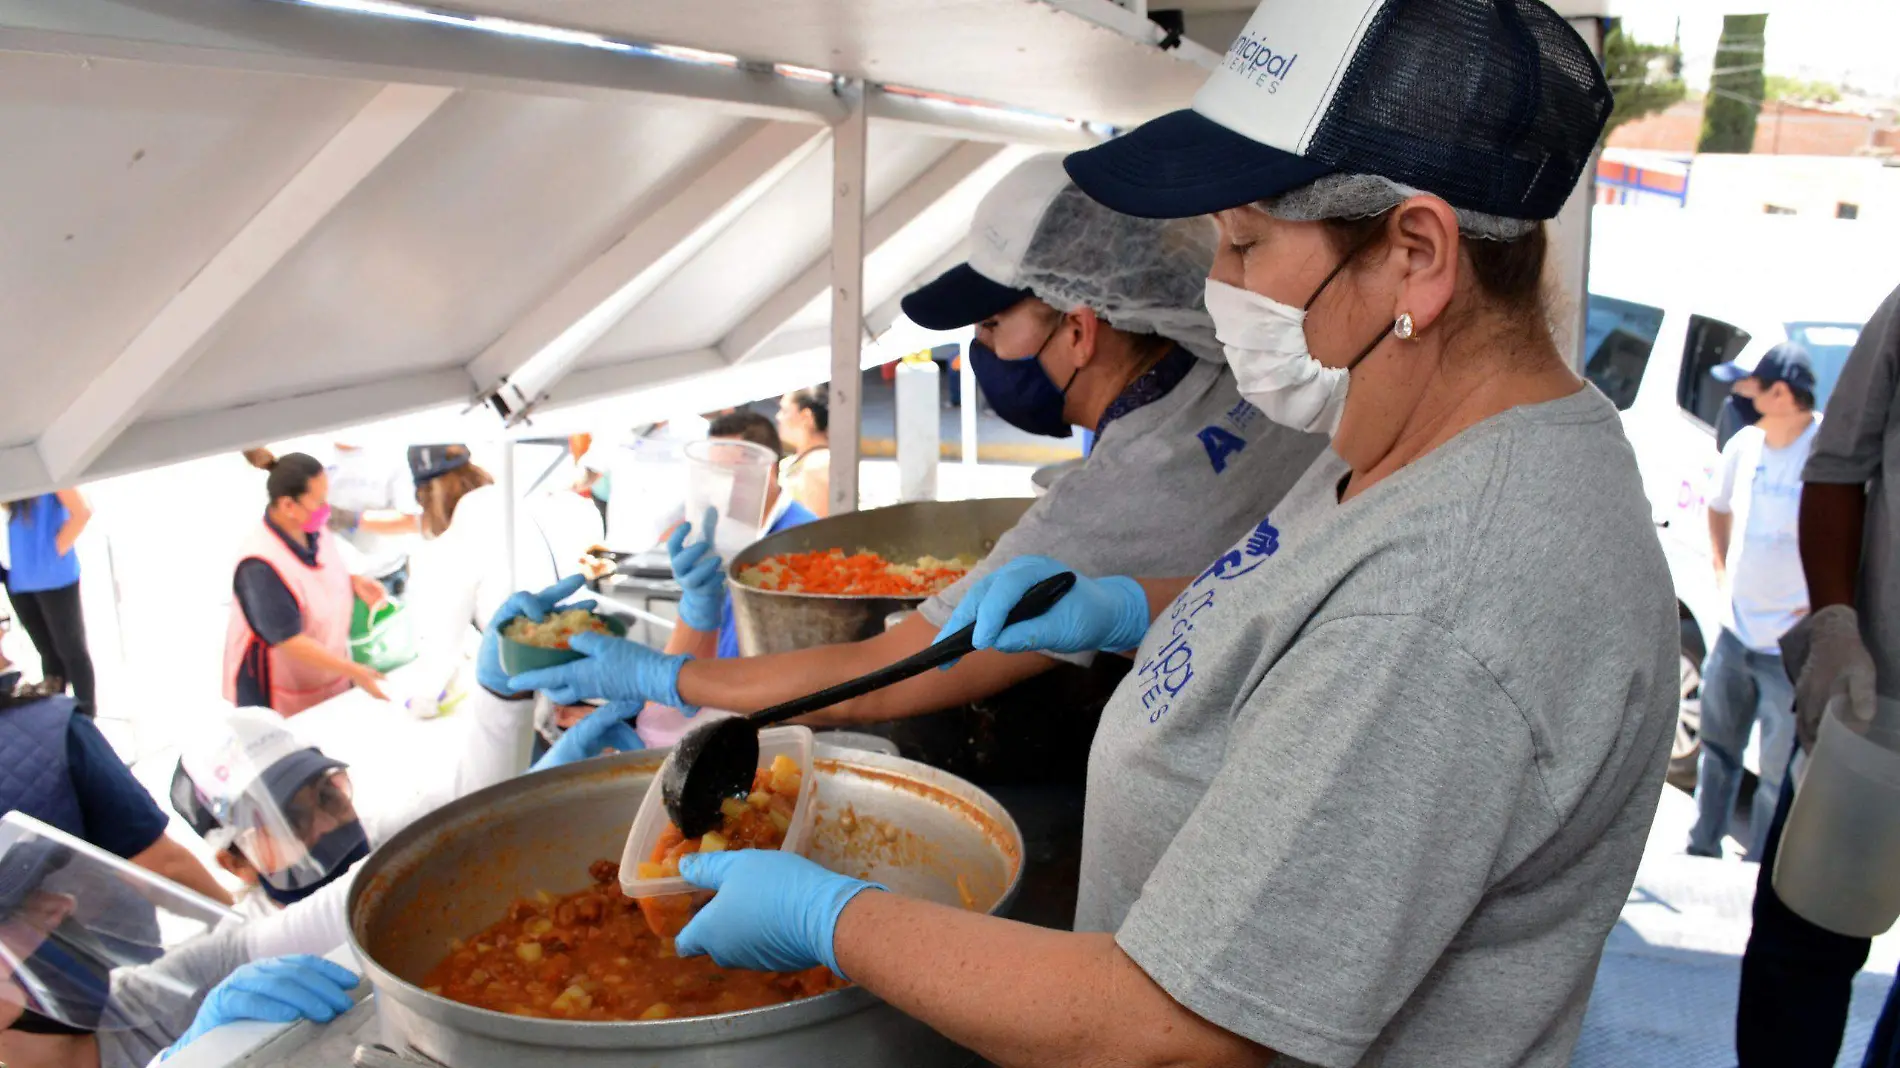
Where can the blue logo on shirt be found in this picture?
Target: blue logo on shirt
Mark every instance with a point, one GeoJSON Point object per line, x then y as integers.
{"type": "Point", "coordinates": [1168, 672]}
{"type": "Point", "coordinates": [1220, 444]}
{"type": "Point", "coordinates": [1262, 543]}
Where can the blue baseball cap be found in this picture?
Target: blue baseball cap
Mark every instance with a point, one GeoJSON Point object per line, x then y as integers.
{"type": "Point", "coordinates": [1787, 362]}
{"type": "Point", "coordinates": [1493, 105]}
{"type": "Point", "coordinates": [959, 297]}
{"type": "Point", "coordinates": [429, 462]}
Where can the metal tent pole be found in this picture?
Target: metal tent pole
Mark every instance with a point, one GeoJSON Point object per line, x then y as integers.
{"type": "Point", "coordinates": [848, 139]}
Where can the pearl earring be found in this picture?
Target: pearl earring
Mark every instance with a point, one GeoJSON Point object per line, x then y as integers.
{"type": "Point", "coordinates": [1403, 328]}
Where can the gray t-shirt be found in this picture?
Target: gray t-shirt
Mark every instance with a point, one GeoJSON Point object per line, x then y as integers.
{"type": "Point", "coordinates": [1859, 441]}
{"type": "Point", "coordinates": [1378, 784]}
{"type": "Point", "coordinates": [1166, 488]}
{"type": "Point", "coordinates": [151, 995]}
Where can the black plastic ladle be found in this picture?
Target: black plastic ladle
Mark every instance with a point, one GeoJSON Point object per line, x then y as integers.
{"type": "Point", "coordinates": [715, 760]}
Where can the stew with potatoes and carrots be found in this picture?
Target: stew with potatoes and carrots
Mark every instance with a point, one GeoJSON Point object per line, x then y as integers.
{"type": "Point", "coordinates": [757, 821]}
{"type": "Point", "coordinates": [600, 955]}
{"type": "Point", "coordinates": [590, 956]}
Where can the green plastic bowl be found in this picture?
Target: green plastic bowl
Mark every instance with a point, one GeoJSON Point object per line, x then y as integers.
{"type": "Point", "coordinates": [517, 657]}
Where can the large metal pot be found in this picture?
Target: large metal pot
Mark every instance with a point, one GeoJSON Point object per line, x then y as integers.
{"type": "Point", "coordinates": [913, 828]}
{"type": "Point", "coordinates": [1037, 732]}
{"type": "Point", "coordinates": [769, 621]}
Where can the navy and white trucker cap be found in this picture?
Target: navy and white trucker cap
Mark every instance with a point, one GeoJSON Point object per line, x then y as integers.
{"type": "Point", "coordinates": [989, 282]}
{"type": "Point", "coordinates": [1494, 105]}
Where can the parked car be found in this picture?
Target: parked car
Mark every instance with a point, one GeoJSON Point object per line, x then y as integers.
{"type": "Point", "coordinates": [1671, 296]}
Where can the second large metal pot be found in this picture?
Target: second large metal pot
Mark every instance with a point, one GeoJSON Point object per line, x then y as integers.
{"type": "Point", "coordinates": [916, 829]}
{"type": "Point", "coordinates": [769, 621]}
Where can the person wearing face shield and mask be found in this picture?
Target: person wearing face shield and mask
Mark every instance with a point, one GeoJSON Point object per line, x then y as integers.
{"type": "Point", "coordinates": [279, 813]}
{"type": "Point", "coordinates": [1084, 317]}
{"type": "Point", "coordinates": [103, 965]}
{"type": "Point", "coordinates": [1378, 784]}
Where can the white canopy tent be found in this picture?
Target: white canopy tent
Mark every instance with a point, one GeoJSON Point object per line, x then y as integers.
{"type": "Point", "coordinates": [231, 221]}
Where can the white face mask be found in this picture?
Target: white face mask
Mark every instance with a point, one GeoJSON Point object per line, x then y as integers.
{"type": "Point", "coordinates": [1266, 347]}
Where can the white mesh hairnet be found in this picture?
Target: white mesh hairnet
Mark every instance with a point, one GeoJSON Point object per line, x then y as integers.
{"type": "Point", "coordinates": [1361, 196]}
{"type": "Point", "coordinates": [1143, 276]}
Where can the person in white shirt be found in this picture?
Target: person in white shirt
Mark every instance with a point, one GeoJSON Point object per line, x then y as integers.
{"type": "Point", "coordinates": [458, 576]}
{"type": "Point", "coordinates": [374, 512]}
{"type": "Point", "coordinates": [1753, 523]}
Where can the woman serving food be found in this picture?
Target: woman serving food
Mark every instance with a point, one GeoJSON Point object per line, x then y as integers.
{"type": "Point", "coordinates": [1065, 336]}
{"type": "Point", "coordinates": [1378, 784]}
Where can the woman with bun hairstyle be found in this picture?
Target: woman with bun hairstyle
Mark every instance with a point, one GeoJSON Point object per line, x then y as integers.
{"type": "Point", "coordinates": [288, 644]}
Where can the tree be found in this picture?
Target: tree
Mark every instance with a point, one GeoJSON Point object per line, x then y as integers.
{"type": "Point", "coordinates": [1797, 91]}
{"type": "Point", "coordinates": [1736, 87]}
{"type": "Point", "coordinates": [1646, 78]}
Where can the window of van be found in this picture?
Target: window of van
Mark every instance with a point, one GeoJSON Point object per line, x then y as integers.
{"type": "Point", "coordinates": [1828, 345]}
{"type": "Point", "coordinates": [1617, 338]}
{"type": "Point", "coordinates": [1710, 342]}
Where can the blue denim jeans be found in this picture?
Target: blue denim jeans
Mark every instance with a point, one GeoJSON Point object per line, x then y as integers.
{"type": "Point", "coordinates": [1740, 688]}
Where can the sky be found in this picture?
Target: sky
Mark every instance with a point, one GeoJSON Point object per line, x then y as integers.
{"type": "Point", "coordinates": [1852, 41]}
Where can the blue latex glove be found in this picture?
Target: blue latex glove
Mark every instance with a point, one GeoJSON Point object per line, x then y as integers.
{"type": "Point", "coordinates": [1098, 614]}
{"type": "Point", "coordinates": [278, 990]}
{"type": "Point", "coordinates": [700, 573]}
{"type": "Point", "coordinates": [774, 911]}
{"type": "Point", "coordinates": [535, 606]}
{"type": "Point", "coordinates": [605, 726]}
{"type": "Point", "coordinates": [610, 669]}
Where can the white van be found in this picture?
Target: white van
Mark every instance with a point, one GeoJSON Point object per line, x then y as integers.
{"type": "Point", "coordinates": [1671, 296]}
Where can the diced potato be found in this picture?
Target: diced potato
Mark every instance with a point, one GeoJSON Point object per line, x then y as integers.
{"type": "Point", "coordinates": [732, 808]}
{"type": "Point", "coordinates": [758, 799]}
{"type": "Point", "coordinates": [784, 774]}
{"type": "Point", "coordinates": [666, 948]}
{"type": "Point", "coordinates": [529, 952]}
{"type": "Point", "coordinates": [483, 947]}
{"type": "Point", "coordinates": [646, 870]}
{"type": "Point", "coordinates": [780, 820]}
{"type": "Point", "coordinates": [659, 1010]}
{"type": "Point", "coordinates": [544, 897]}
{"type": "Point", "coordinates": [455, 945]}
{"type": "Point", "coordinates": [436, 990]}
{"type": "Point", "coordinates": [712, 842]}
{"type": "Point", "coordinates": [538, 926]}
{"type": "Point", "coordinates": [478, 977]}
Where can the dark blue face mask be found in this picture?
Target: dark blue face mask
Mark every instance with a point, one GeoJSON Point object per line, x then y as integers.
{"type": "Point", "coordinates": [337, 851]}
{"type": "Point", "coordinates": [1020, 391]}
{"type": "Point", "coordinates": [1736, 414]}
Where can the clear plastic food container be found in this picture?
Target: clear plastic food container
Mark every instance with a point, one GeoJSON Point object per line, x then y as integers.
{"type": "Point", "coordinates": [652, 821]}
{"type": "Point", "coordinates": [1839, 862]}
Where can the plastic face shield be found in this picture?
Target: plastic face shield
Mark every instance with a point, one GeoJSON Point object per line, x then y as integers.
{"type": "Point", "coordinates": [296, 843]}
{"type": "Point", "coordinates": [84, 934]}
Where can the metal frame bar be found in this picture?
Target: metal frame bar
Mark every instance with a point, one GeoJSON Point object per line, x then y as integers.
{"type": "Point", "coordinates": [1567, 269]}
{"type": "Point", "coordinates": [272, 38]}
{"type": "Point", "coordinates": [605, 380]}
{"type": "Point", "coordinates": [534, 354]}
{"type": "Point", "coordinates": [156, 442]}
{"type": "Point", "coordinates": [849, 141]}
{"type": "Point", "coordinates": [939, 180]}
{"type": "Point", "coordinates": [166, 347]}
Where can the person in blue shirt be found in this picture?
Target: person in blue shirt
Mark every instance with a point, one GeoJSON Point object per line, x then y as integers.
{"type": "Point", "coordinates": [43, 583]}
{"type": "Point", "coordinates": [56, 767]}
{"type": "Point", "coordinates": [705, 615]}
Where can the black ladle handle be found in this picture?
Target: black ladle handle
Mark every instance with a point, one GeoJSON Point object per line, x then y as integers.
{"type": "Point", "coordinates": [1039, 599]}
